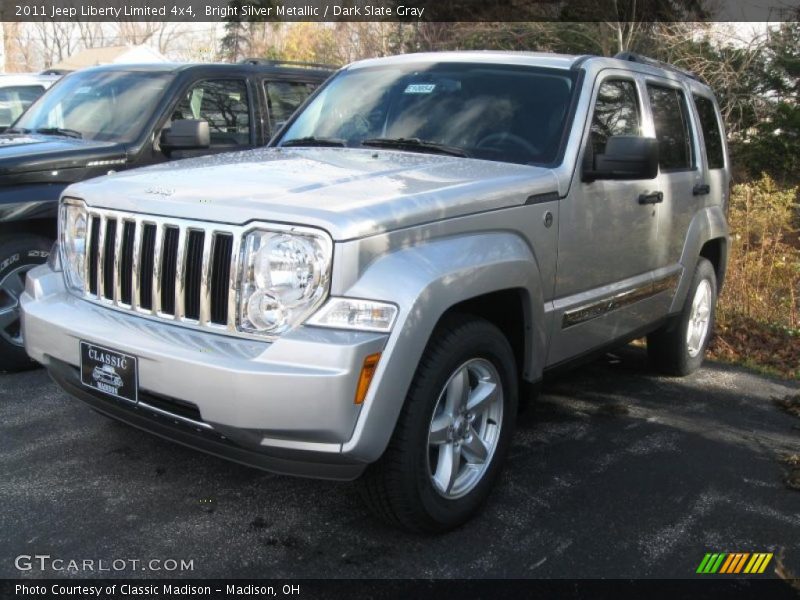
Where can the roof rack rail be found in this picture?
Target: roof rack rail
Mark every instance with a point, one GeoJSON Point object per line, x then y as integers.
{"type": "Point", "coordinates": [291, 63]}
{"type": "Point", "coordinates": [646, 60]}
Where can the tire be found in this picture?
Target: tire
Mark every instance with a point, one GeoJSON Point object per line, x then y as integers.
{"type": "Point", "coordinates": [401, 487]}
{"type": "Point", "coordinates": [670, 349]}
{"type": "Point", "coordinates": [18, 254]}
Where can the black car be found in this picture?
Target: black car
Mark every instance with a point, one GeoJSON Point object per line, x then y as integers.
{"type": "Point", "coordinates": [116, 117]}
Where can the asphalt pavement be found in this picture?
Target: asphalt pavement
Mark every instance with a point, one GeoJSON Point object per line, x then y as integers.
{"type": "Point", "coordinates": [614, 473]}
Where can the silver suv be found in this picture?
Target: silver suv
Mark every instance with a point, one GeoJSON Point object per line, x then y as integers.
{"type": "Point", "coordinates": [369, 297]}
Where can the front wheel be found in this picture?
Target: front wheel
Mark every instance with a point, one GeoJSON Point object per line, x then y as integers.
{"type": "Point", "coordinates": [679, 347]}
{"type": "Point", "coordinates": [19, 253]}
{"type": "Point", "coordinates": [453, 433]}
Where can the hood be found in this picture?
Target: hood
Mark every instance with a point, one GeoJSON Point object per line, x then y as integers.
{"type": "Point", "coordinates": [23, 155]}
{"type": "Point", "coordinates": [348, 192]}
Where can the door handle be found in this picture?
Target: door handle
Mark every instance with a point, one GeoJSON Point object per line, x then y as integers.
{"type": "Point", "coordinates": [652, 198]}
{"type": "Point", "coordinates": [701, 189]}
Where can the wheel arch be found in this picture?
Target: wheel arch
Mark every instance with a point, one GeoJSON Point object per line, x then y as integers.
{"type": "Point", "coordinates": [715, 251]}
{"type": "Point", "coordinates": [428, 281]}
{"type": "Point", "coordinates": [707, 237]}
{"type": "Point", "coordinates": [508, 310]}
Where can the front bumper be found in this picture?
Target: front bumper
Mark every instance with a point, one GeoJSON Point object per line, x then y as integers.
{"type": "Point", "coordinates": [286, 406]}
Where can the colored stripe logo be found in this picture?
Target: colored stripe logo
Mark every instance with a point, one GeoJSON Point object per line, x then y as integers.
{"type": "Point", "coordinates": [734, 562]}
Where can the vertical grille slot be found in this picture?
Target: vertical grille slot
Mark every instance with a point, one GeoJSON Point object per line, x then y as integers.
{"type": "Point", "coordinates": [126, 264]}
{"type": "Point", "coordinates": [146, 266]}
{"type": "Point", "coordinates": [94, 249]}
{"type": "Point", "coordinates": [180, 270]}
{"type": "Point", "coordinates": [194, 273]}
{"type": "Point", "coordinates": [108, 258]}
{"type": "Point", "coordinates": [169, 262]}
{"type": "Point", "coordinates": [220, 275]}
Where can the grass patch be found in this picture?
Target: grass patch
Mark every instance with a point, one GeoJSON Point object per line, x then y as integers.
{"type": "Point", "coordinates": [766, 348]}
{"type": "Point", "coordinates": [758, 321]}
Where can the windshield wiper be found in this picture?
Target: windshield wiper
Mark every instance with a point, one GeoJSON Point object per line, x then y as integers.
{"type": "Point", "coordinates": [415, 144]}
{"type": "Point", "coordinates": [59, 131]}
{"type": "Point", "coordinates": [314, 141]}
{"type": "Point", "coordinates": [17, 130]}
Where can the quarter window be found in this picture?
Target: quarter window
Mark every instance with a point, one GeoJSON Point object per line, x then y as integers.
{"type": "Point", "coordinates": [224, 104]}
{"type": "Point", "coordinates": [616, 112]}
{"type": "Point", "coordinates": [671, 121]}
{"type": "Point", "coordinates": [711, 132]}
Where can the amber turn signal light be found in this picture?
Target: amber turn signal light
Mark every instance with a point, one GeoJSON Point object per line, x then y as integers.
{"type": "Point", "coordinates": [367, 371]}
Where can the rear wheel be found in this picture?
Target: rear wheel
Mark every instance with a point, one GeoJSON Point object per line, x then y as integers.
{"type": "Point", "coordinates": [679, 347]}
{"type": "Point", "coordinates": [19, 253]}
{"type": "Point", "coordinates": [453, 433]}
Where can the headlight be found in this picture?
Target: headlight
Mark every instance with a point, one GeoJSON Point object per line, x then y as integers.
{"type": "Point", "coordinates": [285, 278]}
{"type": "Point", "coordinates": [350, 313]}
{"type": "Point", "coordinates": [73, 243]}
{"type": "Point", "coordinates": [54, 258]}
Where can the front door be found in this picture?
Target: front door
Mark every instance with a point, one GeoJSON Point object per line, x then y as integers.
{"type": "Point", "coordinates": [227, 106]}
{"type": "Point", "coordinates": [608, 243]}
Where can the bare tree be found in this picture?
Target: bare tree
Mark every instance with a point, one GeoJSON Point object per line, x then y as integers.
{"type": "Point", "coordinates": [727, 62]}
{"type": "Point", "coordinates": [91, 33]}
{"type": "Point", "coordinates": [57, 40]}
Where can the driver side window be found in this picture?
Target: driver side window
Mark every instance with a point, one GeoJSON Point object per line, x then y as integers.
{"type": "Point", "coordinates": [616, 112]}
{"type": "Point", "coordinates": [225, 104]}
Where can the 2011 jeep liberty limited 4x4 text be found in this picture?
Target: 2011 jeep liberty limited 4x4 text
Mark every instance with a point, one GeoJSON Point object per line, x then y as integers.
{"type": "Point", "coordinates": [367, 297]}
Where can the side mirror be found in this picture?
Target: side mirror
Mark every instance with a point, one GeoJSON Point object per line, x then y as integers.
{"type": "Point", "coordinates": [186, 134]}
{"type": "Point", "coordinates": [626, 157]}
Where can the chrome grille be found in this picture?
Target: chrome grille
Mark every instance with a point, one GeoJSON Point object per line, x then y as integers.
{"type": "Point", "coordinates": [172, 269]}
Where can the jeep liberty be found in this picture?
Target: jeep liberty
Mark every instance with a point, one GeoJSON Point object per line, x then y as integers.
{"type": "Point", "coordinates": [371, 296]}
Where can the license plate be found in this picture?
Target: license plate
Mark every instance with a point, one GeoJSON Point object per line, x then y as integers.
{"type": "Point", "coordinates": [110, 372]}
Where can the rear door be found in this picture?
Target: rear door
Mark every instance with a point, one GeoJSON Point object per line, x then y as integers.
{"type": "Point", "coordinates": [680, 173]}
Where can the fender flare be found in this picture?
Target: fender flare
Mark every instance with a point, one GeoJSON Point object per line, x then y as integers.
{"type": "Point", "coordinates": [425, 281]}
{"type": "Point", "coordinates": [707, 224]}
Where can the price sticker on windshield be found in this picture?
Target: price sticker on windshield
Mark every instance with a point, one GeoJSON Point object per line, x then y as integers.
{"type": "Point", "coordinates": [420, 88]}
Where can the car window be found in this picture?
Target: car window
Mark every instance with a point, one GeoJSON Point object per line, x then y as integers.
{"type": "Point", "coordinates": [670, 118]}
{"type": "Point", "coordinates": [504, 113]}
{"type": "Point", "coordinates": [102, 105]}
{"type": "Point", "coordinates": [616, 112]}
{"type": "Point", "coordinates": [225, 104]}
{"type": "Point", "coordinates": [283, 98]}
{"type": "Point", "coordinates": [14, 100]}
{"type": "Point", "coordinates": [711, 132]}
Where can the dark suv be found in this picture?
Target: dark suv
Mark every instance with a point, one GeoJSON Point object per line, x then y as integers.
{"type": "Point", "coordinates": [116, 117]}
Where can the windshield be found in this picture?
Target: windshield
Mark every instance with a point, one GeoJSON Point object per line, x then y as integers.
{"type": "Point", "coordinates": [493, 112]}
{"type": "Point", "coordinates": [99, 105]}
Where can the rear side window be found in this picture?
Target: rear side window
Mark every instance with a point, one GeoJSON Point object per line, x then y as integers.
{"type": "Point", "coordinates": [671, 120]}
{"type": "Point", "coordinates": [224, 104]}
{"type": "Point", "coordinates": [616, 112]}
{"type": "Point", "coordinates": [283, 98]}
{"type": "Point", "coordinates": [711, 132]}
